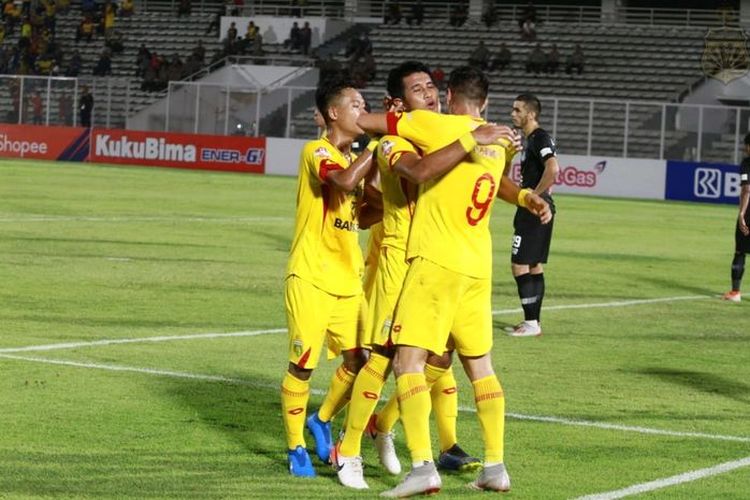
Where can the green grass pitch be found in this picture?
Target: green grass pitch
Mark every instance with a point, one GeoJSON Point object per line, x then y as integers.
{"type": "Point", "coordinates": [91, 253]}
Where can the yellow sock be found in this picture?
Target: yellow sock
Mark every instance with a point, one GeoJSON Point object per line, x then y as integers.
{"type": "Point", "coordinates": [388, 415]}
{"type": "Point", "coordinates": [490, 402]}
{"type": "Point", "coordinates": [338, 394]}
{"type": "Point", "coordinates": [414, 401]}
{"type": "Point", "coordinates": [294, 396]}
{"type": "Point", "coordinates": [365, 395]}
{"type": "Point", "coordinates": [444, 404]}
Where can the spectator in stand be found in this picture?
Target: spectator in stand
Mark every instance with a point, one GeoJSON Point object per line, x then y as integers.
{"type": "Point", "coordinates": [103, 66]}
{"type": "Point", "coordinates": [63, 6]}
{"type": "Point", "coordinates": [175, 69]}
{"type": "Point", "coordinates": [257, 50]}
{"type": "Point", "coordinates": [528, 31]}
{"type": "Point", "coordinates": [575, 61]}
{"type": "Point", "coordinates": [216, 20]}
{"type": "Point", "coordinates": [114, 42]}
{"type": "Point", "coordinates": [184, 8]}
{"type": "Point", "coordinates": [45, 63]}
{"type": "Point", "coordinates": [537, 60]}
{"type": "Point", "coordinates": [232, 33]}
{"type": "Point", "coordinates": [85, 106]}
{"type": "Point", "coordinates": [88, 7]}
{"type": "Point", "coordinates": [528, 14]}
{"type": "Point", "coordinates": [37, 109]}
{"type": "Point", "coordinates": [299, 6]}
{"type": "Point", "coordinates": [65, 109]}
{"type": "Point", "coordinates": [553, 59]}
{"type": "Point", "coordinates": [294, 41]}
{"type": "Point", "coordinates": [127, 8]}
{"type": "Point", "coordinates": [252, 32]}
{"type": "Point", "coordinates": [438, 75]}
{"type": "Point", "coordinates": [369, 67]}
{"type": "Point", "coordinates": [392, 13]}
{"type": "Point", "coordinates": [74, 65]}
{"type": "Point", "coordinates": [306, 38]}
{"type": "Point", "coordinates": [458, 15]}
{"type": "Point", "coordinates": [417, 14]}
{"type": "Point", "coordinates": [489, 14]}
{"type": "Point", "coordinates": [480, 57]}
{"type": "Point", "coordinates": [502, 59]}
{"type": "Point", "coordinates": [199, 52]}
{"type": "Point", "coordinates": [11, 15]}
{"type": "Point", "coordinates": [142, 60]}
{"type": "Point", "coordinates": [26, 31]}
{"type": "Point", "coordinates": [85, 30]}
{"type": "Point", "coordinates": [109, 18]}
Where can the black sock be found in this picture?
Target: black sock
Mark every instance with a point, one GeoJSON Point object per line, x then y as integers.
{"type": "Point", "coordinates": [538, 280]}
{"type": "Point", "coordinates": [738, 269]}
{"type": "Point", "coordinates": [527, 295]}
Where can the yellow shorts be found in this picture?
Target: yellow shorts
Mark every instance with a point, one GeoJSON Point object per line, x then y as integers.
{"type": "Point", "coordinates": [387, 284]}
{"type": "Point", "coordinates": [313, 314]}
{"type": "Point", "coordinates": [436, 302]}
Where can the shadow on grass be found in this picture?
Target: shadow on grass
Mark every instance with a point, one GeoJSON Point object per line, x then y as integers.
{"type": "Point", "coordinates": [701, 381]}
{"type": "Point", "coordinates": [108, 242]}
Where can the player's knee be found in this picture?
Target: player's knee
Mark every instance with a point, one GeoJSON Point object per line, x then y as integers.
{"type": "Point", "coordinates": [441, 360]}
{"type": "Point", "coordinates": [354, 360]}
{"type": "Point", "coordinates": [300, 373]}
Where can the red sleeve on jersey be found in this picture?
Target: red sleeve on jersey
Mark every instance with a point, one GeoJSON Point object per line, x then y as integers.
{"type": "Point", "coordinates": [392, 119]}
{"type": "Point", "coordinates": [326, 166]}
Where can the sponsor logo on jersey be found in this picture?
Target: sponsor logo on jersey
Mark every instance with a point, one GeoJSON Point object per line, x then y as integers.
{"type": "Point", "coordinates": [387, 147]}
{"type": "Point", "coordinates": [322, 152]}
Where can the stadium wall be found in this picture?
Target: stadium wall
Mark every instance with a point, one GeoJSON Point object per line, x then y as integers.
{"type": "Point", "coordinates": [584, 175]}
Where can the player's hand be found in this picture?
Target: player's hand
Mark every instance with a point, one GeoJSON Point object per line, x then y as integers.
{"type": "Point", "coordinates": [743, 225]}
{"type": "Point", "coordinates": [537, 206]}
{"type": "Point", "coordinates": [491, 133]}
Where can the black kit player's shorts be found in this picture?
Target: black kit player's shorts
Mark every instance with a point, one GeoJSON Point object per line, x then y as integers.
{"type": "Point", "coordinates": [531, 239]}
{"type": "Point", "coordinates": [742, 242]}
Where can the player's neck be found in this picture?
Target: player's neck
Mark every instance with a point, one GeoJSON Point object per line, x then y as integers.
{"type": "Point", "coordinates": [461, 107]}
{"type": "Point", "coordinates": [530, 127]}
{"type": "Point", "coordinates": [339, 139]}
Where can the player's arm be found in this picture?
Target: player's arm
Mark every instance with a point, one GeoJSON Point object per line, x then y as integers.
{"type": "Point", "coordinates": [418, 170]}
{"type": "Point", "coordinates": [551, 169]}
{"type": "Point", "coordinates": [512, 193]}
{"type": "Point", "coordinates": [346, 179]}
{"type": "Point", "coordinates": [744, 202]}
{"type": "Point", "coordinates": [371, 209]}
{"type": "Point", "coordinates": [373, 123]}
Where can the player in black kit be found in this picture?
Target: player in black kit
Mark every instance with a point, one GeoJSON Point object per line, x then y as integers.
{"type": "Point", "coordinates": [741, 233]}
{"type": "Point", "coordinates": [531, 238]}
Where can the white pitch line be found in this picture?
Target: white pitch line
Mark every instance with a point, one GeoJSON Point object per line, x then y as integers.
{"type": "Point", "coordinates": [219, 378]}
{"type": "Point", "coordinates": [167, 338]}
{"type": "Point", "coordinates": [618, 303]}
{"type": "Point", "coordinates": [163, 338]}
{"type": "Point", "coordinates": [85, 218]}
{"type": "Point", "coordinates": [687, 477]}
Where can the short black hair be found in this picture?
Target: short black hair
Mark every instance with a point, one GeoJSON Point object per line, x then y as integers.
{"type": "Point", "coordinates": [469, 82]}
{"type": "Point", "coordinates": [532, 103]}
{"type": "Point", "coordinates": [747, 140]}
{"type": "Point", "coordinates": [395, 84]}
{"type": "Point", "coordinates": [328, 90]}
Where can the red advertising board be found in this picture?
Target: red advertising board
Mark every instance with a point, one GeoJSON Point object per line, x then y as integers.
{"type": "Point", "coordinates": [161, 149]}
{"type": "Point", "coordinates": [44, 143]}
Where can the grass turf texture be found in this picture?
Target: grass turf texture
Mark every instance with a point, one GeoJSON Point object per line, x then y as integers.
{"type": "Point", "coordinates": [91, 252]}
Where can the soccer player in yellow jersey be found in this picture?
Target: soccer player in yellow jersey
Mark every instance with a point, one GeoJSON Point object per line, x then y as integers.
{"type": "Point", "coordinates": [412, 86]}
{"type": "Point", "coordinates": [447, 289]}
{"type": "Point", "coordinates": [323, 291]}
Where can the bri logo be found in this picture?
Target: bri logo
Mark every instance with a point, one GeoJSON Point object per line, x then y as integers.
{"type": "Point", "coordinates": [712, 183]}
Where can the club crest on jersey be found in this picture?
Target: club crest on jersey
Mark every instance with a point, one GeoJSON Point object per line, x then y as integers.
{"type": "Point", "coordinates": [297, 345]}
{"type": "Point", "coordinates": [387, 147]}
{"type": "Point", "coordinates": [322, 152]}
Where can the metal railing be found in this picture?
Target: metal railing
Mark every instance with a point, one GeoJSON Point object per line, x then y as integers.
{"type": "Point", "coordinates": [598, 127]}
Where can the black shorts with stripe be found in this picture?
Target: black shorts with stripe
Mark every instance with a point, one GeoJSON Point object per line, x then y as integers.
{"type": "Point", "coordinates": [531, 239]}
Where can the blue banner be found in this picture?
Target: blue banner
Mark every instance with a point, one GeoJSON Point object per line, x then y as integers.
{"type": "Point", "coordinates": [704, 182]}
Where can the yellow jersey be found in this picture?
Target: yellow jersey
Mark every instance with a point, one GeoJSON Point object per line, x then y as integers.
{"type": "Point", "coordinates": [399, 196]}
{"type": "Point", "coordinates": [325, 250]}
{"type": "Point", "coordinates": [452, 216]}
